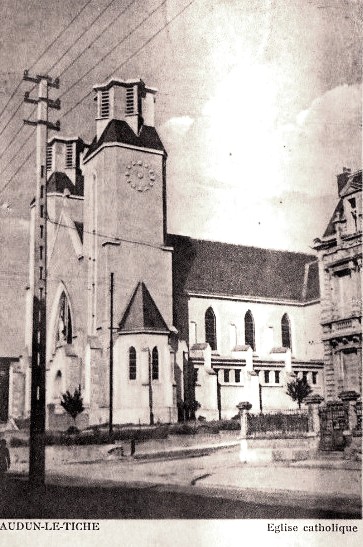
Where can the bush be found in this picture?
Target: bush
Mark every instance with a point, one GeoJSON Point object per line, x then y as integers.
{"type": "Point", "coordinates": [182, 429]}
{"type": "Point", "coordinates": [72, 430]}
{"type": "Point", "coordinates": [228, 425]}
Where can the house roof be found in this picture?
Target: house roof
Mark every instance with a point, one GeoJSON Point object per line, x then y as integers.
{"type": "Point", "coordinates": [338, 212]}
{"type": "Point", "coordinates": [142, 313]}
{"type": "Point", "coordinates": [120, 131]}
{"type": "Point", "coordinates": [210, 267]}
{"type": "Point", "coordinates": [353, 184]}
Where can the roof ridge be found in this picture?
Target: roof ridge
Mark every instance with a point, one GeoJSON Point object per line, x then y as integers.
{"type": "Point", "coordinates": [242, 246]}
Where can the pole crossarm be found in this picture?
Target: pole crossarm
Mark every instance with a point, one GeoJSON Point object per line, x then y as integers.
{"type": "Point", "coordinates": [39, 77]}
{"type": "Point", "coordinates": [52, 104]}
{"type": "Point", "coordinates": [49, 125]}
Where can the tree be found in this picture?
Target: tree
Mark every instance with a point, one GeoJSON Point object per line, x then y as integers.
{"type": "Point", "coordinates": [298, 389]}
{"type": "Point", "coordinates": [73, 404]}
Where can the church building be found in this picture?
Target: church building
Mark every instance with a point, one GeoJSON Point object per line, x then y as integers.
{"type": "Point", "coordinates": [193, 320]}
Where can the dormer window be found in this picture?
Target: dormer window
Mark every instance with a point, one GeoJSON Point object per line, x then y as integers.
{"type": "Point", "coordinates": [69, 155]}
{"type": "Point", "coordinates": [353, 211]}
{"type": "Point", "coordinates": [130, 101]}
{"type": "Point", "coordinates": [49, 158]}
{"type": "Point", "coordinates": [105, 104]}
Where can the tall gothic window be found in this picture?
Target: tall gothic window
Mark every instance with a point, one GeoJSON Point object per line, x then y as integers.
{"type": "Point", "coordinates": [155, 364]}
{"type": "Point", "coordinates": [210, 329]}
{"type": "Point", "coordinates": [64, 333]}
{"type": "Point", "coordinates": [132, 363]}
{"type": "Point", "coordinates": [285, 331]}
{"type": "Point", "coordinates": [250, 330]}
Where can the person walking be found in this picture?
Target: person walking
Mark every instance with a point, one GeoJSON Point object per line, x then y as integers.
{"type": "Point", "coordinates": [4, 459]}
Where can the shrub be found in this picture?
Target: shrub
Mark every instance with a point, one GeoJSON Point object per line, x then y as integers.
{"type": "Point", "coordinates": [182, 429]}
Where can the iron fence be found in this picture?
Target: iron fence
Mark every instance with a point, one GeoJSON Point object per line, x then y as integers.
{"type": "Point", "coordinates": [287, 422]}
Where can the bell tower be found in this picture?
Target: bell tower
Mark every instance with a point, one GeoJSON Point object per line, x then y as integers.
{"type": "Point", "coordinates": [125, 201]}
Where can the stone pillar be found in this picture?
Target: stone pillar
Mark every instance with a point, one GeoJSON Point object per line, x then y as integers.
{"type": "Point", "coordinates": [313, 402]}
{"type": "Point", "coordinates": [350, 397]}
{"type": "Point", "coordinates": [243, 408]}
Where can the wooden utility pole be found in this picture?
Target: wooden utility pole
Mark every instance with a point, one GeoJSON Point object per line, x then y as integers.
{"type": "Point", "coordinates": [38, 398]}
{"type": "Point", "coordinates": [110, 422]}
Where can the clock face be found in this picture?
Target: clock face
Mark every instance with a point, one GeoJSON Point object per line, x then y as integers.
{"type": "Point", "coordinates": [140, 175]}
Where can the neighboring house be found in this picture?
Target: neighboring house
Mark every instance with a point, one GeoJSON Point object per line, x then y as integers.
{"type": "Point", "coordinates": [340, 265]}
{"type": "Point", "coordinates": [194, 320]}
{"type": "Point", "coordinates": [13, 280]}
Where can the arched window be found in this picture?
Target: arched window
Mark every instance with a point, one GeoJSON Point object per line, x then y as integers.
{"type": "Point", "coordinates": [286, 331]}
{"type": "Point", "coordinates": [210, 329]}
{"type": "Point", "coordinates": [64, 331]}
{"type": "Point", "coordinates": [132, 363]}
{"type": "Point", "coordinates": [155, 364]}
{"type": "Point", "coordinates": [57, 385]}
{"type": "Point", "coordinates": [250, 330]}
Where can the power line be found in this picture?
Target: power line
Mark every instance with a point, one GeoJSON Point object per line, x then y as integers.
{"type": "Point", "coordinates": [72, 63]}
{"type": "Point", "coordinates": [115, 238]}
{"type": "Point", "coordinates": [16, 172]}
{"type": "Point", "coordinates": [11, 118]}
{"type": "Point", "coordinates": [108, 26]}
{"type": "Point", "coordinates": [116, 69]}
{"type": "Point", "coordinates": [81, 35]}
{"type": "Point", "coordinates": [43, 53]}
{"type": "Point", "coordinates": [131, 56]}
{"type": "Point", "coordinates": [109, 53]}
{"type": "Point", "coordinates": [18, 150]}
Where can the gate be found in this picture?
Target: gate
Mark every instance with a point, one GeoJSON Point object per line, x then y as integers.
{"type": "Point", "coordinates": [334, 419]}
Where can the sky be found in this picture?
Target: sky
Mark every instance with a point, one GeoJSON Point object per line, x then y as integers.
{"type": "Point", "coordinates": [259, 106]}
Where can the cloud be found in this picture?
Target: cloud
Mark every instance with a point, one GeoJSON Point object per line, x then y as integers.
{"type": "Point", "coordinates": [180, 124]}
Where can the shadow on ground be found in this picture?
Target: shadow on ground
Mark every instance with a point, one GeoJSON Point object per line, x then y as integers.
{"type": "Point", "coordinates": [54, 501]}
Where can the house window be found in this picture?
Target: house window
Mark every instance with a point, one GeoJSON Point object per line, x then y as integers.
{"type": "Point", "coordinates": [277, 376]}
{"type": "Point", "coordinates": [155, 364]}
{"type": "Point", "coordinates": [249, 330]}
{"type": "Point", "coordinates": [130, 101]}
{"type": "Point", "coordinates": [105, 104]}
{"type": "Point", "coordinates": [285, 331]}
{"type": "Point", "coordinates": [266, 376]}
{"type": "Point", "coordinates": [195, 375]}
{"type": "Point", "coordinates": [64, 331]}
{"type": "Point", "coordinates": [49, 158]}
{"type": "Point", "coordinates": [132, 363]}
{"type": "Point", "coordinates": [314, 376]}
{"type": "Point", "coordinates": [305, 376]}
{"type": "Point", "coordinates": [226, 375]}
{"type": "Point", "coordinates": [69, 155]}
{"type": "Point", "coordinates": [237, 376]}
{"type": "Point", "coordinates": [210, 329]}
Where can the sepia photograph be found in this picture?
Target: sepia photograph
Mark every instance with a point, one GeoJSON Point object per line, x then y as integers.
{"type": "Point", "coordinates": [180, 276]}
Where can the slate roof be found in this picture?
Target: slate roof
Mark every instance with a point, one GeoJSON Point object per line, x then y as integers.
{"type": "Point", "coordinates": [338, 212]}
{"type": "Point", "coordinates": [59, 181]}
{"type": "Point", "coordinates": [120, 131]}
{"type": "Point", "coordinates": [79, 228]}
{"type": "Point", "coordinates": [142, 313]}
{"type": "Point", "coordinates": [352, 184]}
{"type": "Point", "coordinates": [209, 267]}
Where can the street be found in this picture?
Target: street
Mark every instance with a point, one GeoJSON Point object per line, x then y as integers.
{"type": "Point", "coordinates": [213, 486]}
